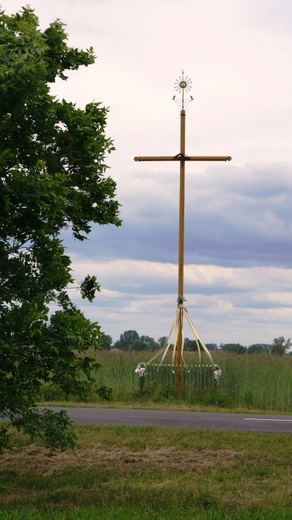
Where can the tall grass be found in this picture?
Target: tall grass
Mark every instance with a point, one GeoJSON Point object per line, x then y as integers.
{"type": "Point", "coordinates": [258, 381]}
{"type": "Point", "coordinates": [261, 382]}
{"type": "Point", "coordinates": [118, 371]}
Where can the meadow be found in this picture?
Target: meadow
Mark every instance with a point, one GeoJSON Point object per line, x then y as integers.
{"type": "Point", "coordinates": [147, 473]}
{"type": "Point", "coordinates": [259, 382]}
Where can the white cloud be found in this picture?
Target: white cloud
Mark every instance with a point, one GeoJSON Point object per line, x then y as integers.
{"type": "Point", "coordinates": [227, 304]}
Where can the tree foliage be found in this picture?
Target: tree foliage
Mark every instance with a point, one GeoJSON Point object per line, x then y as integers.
{"type": "Point", "coordinates": [235, 348]}
{"type": "Point", "coordinates": [105, 342]}
{"type": "Point", "coordinates": [212, 346]}
{"type": "Point", "coordinates": [146, 343]}
{"type": "Point", "coordinates": [258, 348]}
{"type": "Point", "coordinates": [280, 346]}
{"type": "Point", "coordinates": [52, 177]}
{"type": "Point", "coordinates": [130, 340]}
{"type": "Point", "coordinates": [162, 341]}
{"type": "Point", "coordinates": [127, 340]}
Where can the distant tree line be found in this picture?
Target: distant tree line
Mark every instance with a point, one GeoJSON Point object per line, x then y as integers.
{"type": "Point", "coordinates": [130, 340]}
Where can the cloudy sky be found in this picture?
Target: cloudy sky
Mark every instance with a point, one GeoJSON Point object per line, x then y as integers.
{"type": "Point", "coordinates": [238, 237]}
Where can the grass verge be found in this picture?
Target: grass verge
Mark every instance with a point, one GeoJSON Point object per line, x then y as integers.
{"type": "Point", "coordinates": [120, 472]}
{"type": "Point", "coordinates": [178, 406]}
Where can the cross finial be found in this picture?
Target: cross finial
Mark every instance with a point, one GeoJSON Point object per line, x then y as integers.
{"type": "Point", "coordinates": [182, 85]}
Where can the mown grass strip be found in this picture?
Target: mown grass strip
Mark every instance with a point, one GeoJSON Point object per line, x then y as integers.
{"type": "Point", "coordinates": [119, 472]}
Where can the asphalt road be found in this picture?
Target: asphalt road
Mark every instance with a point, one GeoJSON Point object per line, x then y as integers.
{"type": "Point", "coordinates": [193, 420]}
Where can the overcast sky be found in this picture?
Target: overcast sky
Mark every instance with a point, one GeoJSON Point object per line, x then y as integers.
{"type": "Point", "coordinates": [238, 243]}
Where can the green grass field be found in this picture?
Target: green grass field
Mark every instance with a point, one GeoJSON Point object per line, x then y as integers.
{"type": "Point", "coordinates": [121, 473]}
{"type": "Point", "coordinates": [150, 473]}
{"type": "Point", "coordinates": [249, 382]}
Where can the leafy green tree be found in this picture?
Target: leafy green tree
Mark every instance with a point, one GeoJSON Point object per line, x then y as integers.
{"type": "Point", "coordinates": [145, 343]}
{"type": "Point", "coordinates": [127, 340]}
{"type": "Point", "coordinates": [280, 346]}
{"type": "Point", "coordinates": [106, 342]}
{"type": "Point", "coordinates": [52, 177]}
{"type": "Point", "coordinates": [266, 347]}
{"type": "Point", "coordinates": [256, 348]}
{"type": "Point", "coordinates": [162, 341]}
{"type": "Point", "coordinates": [212, 346]}
{"type": "Point", "coordinates": [190, 344]}
{"type": "Point", "coordinates": [235, 348]}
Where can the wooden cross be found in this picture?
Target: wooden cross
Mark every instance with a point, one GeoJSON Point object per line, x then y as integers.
{"type": "Point", "coordinates": [182, 85]}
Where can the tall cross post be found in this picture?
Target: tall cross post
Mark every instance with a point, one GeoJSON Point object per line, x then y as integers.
{"type": "Point", "coordinates": [182, 85]}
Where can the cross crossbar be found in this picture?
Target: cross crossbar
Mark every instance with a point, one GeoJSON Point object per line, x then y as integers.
{"type": "Point", "coordinates": [182, 157]}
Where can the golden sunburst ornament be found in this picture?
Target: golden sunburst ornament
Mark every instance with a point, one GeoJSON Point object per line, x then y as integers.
{"type": "Point", "coordinates": [183, 84]}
